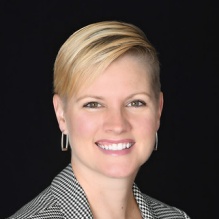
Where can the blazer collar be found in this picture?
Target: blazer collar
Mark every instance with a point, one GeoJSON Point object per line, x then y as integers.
{"type": "Point", "coordinates": [73, 201]}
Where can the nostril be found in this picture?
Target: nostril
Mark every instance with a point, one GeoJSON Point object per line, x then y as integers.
{"type": "Point", "coordinates": [117, 123]}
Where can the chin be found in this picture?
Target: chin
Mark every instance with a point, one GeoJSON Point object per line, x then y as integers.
{"type": "Point", "coordinates": [121, 173]}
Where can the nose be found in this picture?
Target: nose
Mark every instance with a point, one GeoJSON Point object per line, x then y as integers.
{"type": "Point", "coordinates": [116, 120]}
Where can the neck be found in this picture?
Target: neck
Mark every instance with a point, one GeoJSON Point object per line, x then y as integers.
{"type": "Point", "coordinates": [108, 197]}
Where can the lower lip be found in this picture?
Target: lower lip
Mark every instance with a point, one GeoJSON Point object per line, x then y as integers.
{"type": "Point", "coordinates": [116, 153]}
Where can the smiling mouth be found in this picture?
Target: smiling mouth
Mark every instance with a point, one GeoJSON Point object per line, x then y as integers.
{"type": "Point", "coordinates": [115, 147]}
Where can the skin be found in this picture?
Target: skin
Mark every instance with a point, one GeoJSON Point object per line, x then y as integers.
{"type": "Point", "coordinates": [117, 108]}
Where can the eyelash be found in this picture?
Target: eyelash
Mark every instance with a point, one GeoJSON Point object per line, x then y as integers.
{"type": "Point", "coordinates": [92, 105]}
{"type": "Point", "coordinates": [136, 103]}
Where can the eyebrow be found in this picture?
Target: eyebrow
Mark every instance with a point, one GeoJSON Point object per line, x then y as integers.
{"type": "Point", "coordinates": [89, 96]}
{"type": "Point", "coordinates": [139, 93]}
{"type": "Point", "coordinates": [101, 98]}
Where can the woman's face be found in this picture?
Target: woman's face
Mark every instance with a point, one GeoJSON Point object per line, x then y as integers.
{"type": "Point", "coordinates": [112, 122]}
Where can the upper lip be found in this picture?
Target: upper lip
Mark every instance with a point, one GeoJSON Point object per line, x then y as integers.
{"type": "Point", "coordinates": [108, 141]}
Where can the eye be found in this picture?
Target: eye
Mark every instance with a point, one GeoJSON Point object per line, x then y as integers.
{"type": "Point", "coordinates": [136, 103]}
{"type": "Point", "coordinates": [92, 105]}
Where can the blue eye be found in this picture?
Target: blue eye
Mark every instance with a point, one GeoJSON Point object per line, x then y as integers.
{"type": "Point", "coordinates": [136, 103]}
{"type": "Point", "coordinates": [92, 105]}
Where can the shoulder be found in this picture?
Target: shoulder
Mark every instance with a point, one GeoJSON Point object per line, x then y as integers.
{"type": "Point", "coordinates": [43, 206]}
{"type": "Point", "coordinates": [162, 210]}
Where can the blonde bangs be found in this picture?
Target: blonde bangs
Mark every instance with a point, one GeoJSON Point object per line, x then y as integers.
{"type": "Point", "coordinates": [90, 50]}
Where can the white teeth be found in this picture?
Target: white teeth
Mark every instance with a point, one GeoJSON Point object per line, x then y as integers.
{"type": "Point", "coordinates": [116, 147]}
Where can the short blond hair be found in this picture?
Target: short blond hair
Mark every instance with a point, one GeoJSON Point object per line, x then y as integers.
{"type": "Point", "coordinates": [91, 49]}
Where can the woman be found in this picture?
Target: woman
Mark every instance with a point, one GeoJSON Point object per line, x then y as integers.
{"type": "Point", "coordinates": [108, 104]}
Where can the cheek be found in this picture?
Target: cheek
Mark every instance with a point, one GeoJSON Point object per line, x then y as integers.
{"type": "Point", "coordinates": [82, 125]}
{"type": "Point", "coordinates": [145, 128]}
{"type": "Point", "coordinates": [145, 124]}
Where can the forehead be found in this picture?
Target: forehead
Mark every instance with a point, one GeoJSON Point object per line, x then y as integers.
{"type": "Point", "coordinates": [126, 67]}
{"type": "Point", "coordinates": [127, 71]}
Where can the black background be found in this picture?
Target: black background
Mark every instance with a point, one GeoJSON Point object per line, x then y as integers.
{"type": "Point", "coordinates": [183, 170]}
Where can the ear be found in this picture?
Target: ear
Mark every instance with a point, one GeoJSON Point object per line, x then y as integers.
{"type": "Point", "coordinates": [160, 108]}
{"type": "Point", "coordinates": [59, 111]}
{"type": "Point", "coordinates": [161, 100]}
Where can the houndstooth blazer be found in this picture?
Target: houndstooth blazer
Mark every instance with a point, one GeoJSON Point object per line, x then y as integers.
{"type": "Point", "coordinates": [65, 198]}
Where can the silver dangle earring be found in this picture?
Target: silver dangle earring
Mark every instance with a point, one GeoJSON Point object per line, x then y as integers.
{"type": "Point", "coordinates": [64, 142]}
{"type": "Point", "coordinates": [156, 142]}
